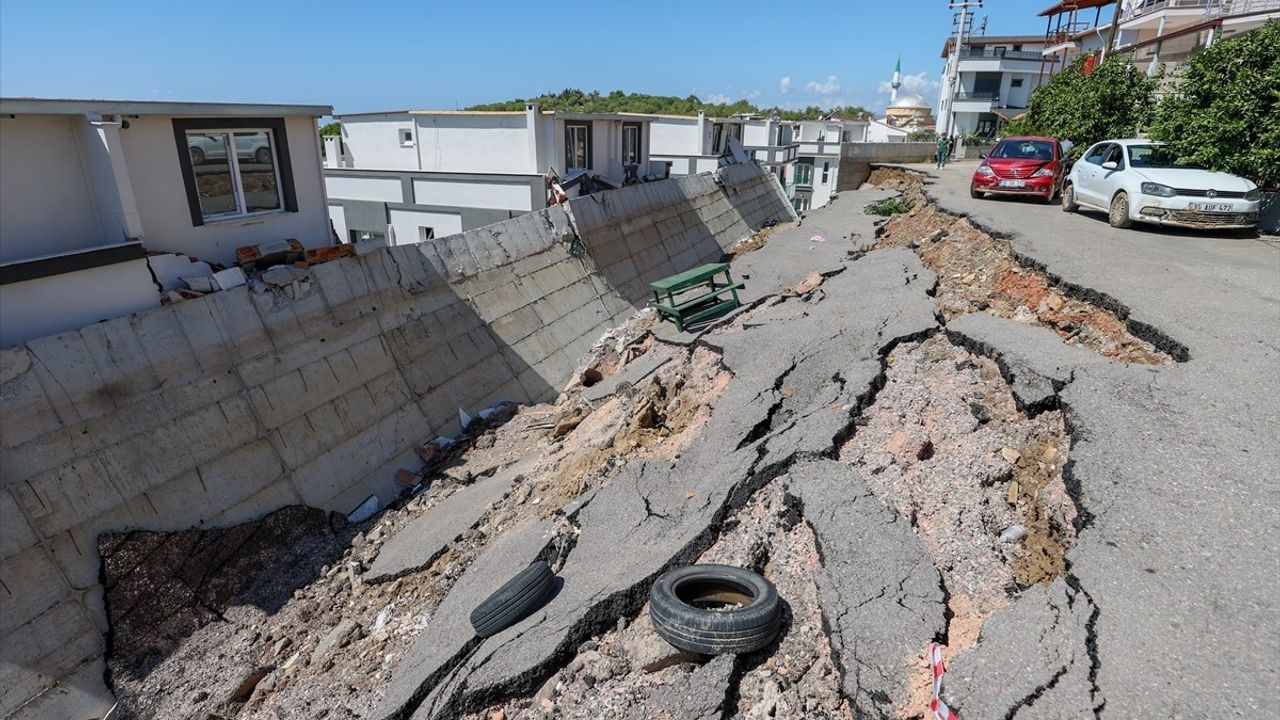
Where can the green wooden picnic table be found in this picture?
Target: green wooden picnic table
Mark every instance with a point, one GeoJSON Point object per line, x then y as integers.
{"type": "Point", "coordinates": [706, 303]}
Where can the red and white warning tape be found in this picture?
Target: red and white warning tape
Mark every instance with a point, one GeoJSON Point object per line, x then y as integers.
{"type": "Point", "coordinates": [939, 708]}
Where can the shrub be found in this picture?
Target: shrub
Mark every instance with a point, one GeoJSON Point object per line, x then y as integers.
{"type": "Point", "coordinates": [1225, 113]}
{"type": "Point", "coordinates": [1115, 100]}
{"type": "Point", "coordinates": [889, 206]}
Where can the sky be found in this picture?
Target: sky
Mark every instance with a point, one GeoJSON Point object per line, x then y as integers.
{"type": "Point", "coordinates": [443, 55]}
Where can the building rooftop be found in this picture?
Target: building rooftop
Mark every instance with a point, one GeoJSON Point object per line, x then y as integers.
{"type": "Point", "coordinates": [71, 106]}
{"type": "Point", "coordinates": [1068, 5]}
{"type": "Point", "coordinates": [993, 40]}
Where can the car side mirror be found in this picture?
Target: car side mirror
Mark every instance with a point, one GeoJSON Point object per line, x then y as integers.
{"type": "Point", "coordinates": [1109, 165]}
{"type": "Point", "coordinates": [982, 155]}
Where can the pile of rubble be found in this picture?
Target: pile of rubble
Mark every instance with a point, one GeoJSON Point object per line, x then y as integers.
{"type": "Point", "coordinates": [322, 632]}
{"type": "Point", "coordinates": [980, 273]}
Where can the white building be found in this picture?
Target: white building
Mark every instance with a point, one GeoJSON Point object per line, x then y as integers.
{"type": "Point", "coordinates": [418, 174]}
{"type": "Point", "coordinates": [103, 204]}
{"type": "Point", "coordinates": [821, 143]}
{"type": "Point", "coordinates": [1161, 36]}
{"type": "Point", "coordinates": [879, 131]}
{"type": "Point", "coordinates": [691, 145]}
{"type": "Point", "coordinates": [996, 74]}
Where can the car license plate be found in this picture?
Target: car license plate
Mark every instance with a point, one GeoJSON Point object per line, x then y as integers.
{"type": "Point", "coordinates": [1209, 207]}
{"type": "Point", "coordinates": [1013, 183]}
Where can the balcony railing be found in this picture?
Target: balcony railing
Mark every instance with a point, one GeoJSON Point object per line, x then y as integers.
{"type": "Point", "coordinates": [989, 54]}
{"type": "Point", "coordinates": [1212, 8]}
{"type": "Point", "coordinates": [993, 97]}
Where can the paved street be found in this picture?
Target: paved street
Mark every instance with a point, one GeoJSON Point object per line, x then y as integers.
{"type": "Point", "coordinates": [1177, 465]}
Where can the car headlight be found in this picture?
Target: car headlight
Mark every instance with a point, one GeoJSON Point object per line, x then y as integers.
{"type": "Point", "coordinates": [1043, 172]}
{"type": "Point", "coordinates": [1150, 188]}
{"type": "Point", "coordinates": [985, 170]}
{"type": "Point", "coordinates": [1253, 195]}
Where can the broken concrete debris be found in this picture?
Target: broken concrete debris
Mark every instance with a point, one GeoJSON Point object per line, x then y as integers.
{"type": "Point", "coordinates": [894, 482]}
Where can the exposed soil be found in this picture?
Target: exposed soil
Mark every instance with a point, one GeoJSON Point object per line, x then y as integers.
{"type": "Point", "coordinates": [979, 273]}
{"type": "Point", "coordinates": [616, 674]}
{"type": "Point", "coordinates": [323, 642]}
{"type": "Point", "coordinates": [946, 446]}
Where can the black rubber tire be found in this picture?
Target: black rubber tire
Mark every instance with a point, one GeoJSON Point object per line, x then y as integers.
{"type": "Point", "coordinates": [1069, 199]}
{"type": "Point", "coordinates": [715, 632]}
{"type": "Point", "coordinates": [511, 603]}
{"type": "Point", "coordinates": [1118, 215]}
{"type": "Point", "coordinates": [975, 194]}
{"type": "Point", "coordinates": [197, 156]}
{"type": "Point", "coordinates": [262, 155]}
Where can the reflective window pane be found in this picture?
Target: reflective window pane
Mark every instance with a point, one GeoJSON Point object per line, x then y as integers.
{"type": "Point", "coordinates": [212, 166]}
{"type": "Point", "coordinates": [256, 156]}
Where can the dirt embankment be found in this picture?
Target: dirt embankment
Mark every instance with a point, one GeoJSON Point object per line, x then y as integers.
{"type": "Point", "coordinates": [260, 622]}
{"type": "Point", "coordinates": [979, 273]}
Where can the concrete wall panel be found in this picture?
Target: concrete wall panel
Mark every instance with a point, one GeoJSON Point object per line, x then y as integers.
{"type": "Point", "coordinates": [218, 410]}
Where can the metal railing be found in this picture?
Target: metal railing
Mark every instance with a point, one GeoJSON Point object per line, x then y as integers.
{"type": "Point", "coordinates": [989, 54]}
{"type": "Point", "coordinates": [993, 97]}
{"type": "Point", "coordinates": [1212, 8]}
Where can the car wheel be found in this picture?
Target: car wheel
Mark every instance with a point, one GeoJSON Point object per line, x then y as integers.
{"type": "Point", "coordinates": [1119, 215]}
{"type": "Point", "coordinates": [1069, 199]}
{"type": "Point", "coordinates": [262, 155]}
{"type": "Point", "coordinates": [975, 194]}
{"type": "Point", "coordinates": [715, 609]}
{"type": "Point", "coordinates": [516, 599]}
{"type": "Point", "coordinates": [197, 156]}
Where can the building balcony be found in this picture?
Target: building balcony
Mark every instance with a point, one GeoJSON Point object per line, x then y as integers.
{"type": "Point", "coordinates": [1148, 13]}
{"type": "Point", "coordinates": [819, 147]}
{"type": "Point", "coordinates": [773, 154]}
{"type": "Point", "coordinates": [977, 60]}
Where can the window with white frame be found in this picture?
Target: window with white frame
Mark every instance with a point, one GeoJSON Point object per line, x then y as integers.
{"type": "Point", "coordinates": [631, 143]}
{"type": "Point", "coordinates": [804, 174]}
{"type": "Point", "coordinates": [406, 137]}
{"type": "Point", "coordinates": [577, 146]}
{"type": "Point", "coordinates": [1015, 82]}
{"type": "Point", "coordinates": [826, 172]}
{"type": "Point", "coordinates": [426, 233]}
{"type": "Point", "coordinates": [235, 172]}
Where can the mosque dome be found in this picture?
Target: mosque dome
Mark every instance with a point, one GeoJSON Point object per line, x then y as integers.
{"type": "Point", "coordinates": [909, 102]}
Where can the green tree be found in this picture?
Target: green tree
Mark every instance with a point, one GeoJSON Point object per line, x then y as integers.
{"type": "Point", "coordinates": [1115, 100]}
{"type": "Point", "coordinates": [333, 128]}
{"type": "Point", "coordinates": [1225, 113]}
{"type": "Point", "coordinates": [573, 100]}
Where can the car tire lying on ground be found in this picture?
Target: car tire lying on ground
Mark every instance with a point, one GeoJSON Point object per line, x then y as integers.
{"type": "Point", "coordinates": [715, 609]}
{"type": "Point", "coordinates": [511, 603]}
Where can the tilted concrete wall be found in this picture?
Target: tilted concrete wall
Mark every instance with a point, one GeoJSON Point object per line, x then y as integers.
{"type": "Point", "coordinates": [218, 410]}
{"type": "Point", "coordinates": [889, 152]}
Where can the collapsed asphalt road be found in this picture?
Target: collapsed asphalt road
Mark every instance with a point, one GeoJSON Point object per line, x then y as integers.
{"type": "Point", "coordinates": [1172, 583]}
{"type": "Point", "coordinates": [1155, 609]}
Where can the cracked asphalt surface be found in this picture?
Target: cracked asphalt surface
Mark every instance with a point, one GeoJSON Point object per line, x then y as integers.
{"type": "Point", "coordinates": [1169, 605]}
{"type": "Point", "coordinates": [1171, 597]}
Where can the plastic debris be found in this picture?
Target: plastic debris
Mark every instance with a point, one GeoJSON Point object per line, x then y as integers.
{"type": "Point", "coordinates": [1013, 534]}
{"type": "Point", "coordinates": [364, 511]}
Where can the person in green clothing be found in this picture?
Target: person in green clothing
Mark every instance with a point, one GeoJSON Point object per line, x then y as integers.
{"type": "Point", "coordinates": [943, 150]}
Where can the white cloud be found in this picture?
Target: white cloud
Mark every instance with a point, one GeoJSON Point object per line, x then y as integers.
{"type": "Point", "coordinates": [919, 84]}
{"type": "Point", "coordinates": [785, 84]}
{"type": "Point", "coordinates": [754, 94]}
{"type": "Point", "coordinates": [719, 99]}
{"type": "Point", "coordinates": [830, 87]}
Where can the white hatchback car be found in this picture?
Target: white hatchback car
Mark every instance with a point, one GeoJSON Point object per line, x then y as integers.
{"type": "Point", "coordinates": [1139, 180]}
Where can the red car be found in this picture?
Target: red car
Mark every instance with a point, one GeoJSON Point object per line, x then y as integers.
{"type": "Point", "coordinates": [1021, 166]}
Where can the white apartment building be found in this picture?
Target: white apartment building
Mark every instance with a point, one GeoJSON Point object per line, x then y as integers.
{"type": "Point", "coordinates": [996, 74]}
{"type": "Point", "coordinates": [1162, 35]}
{"type": "Point", "coordinates": [1156, 35]}
{"type": "Point", "coordinates": [821, 143]}
{"type": "Point", "coordinates": [413, 175]}
{"type": "Point", "coordinates": [691, 145]}
{"type": "Point", "coordinates": [104, 204]}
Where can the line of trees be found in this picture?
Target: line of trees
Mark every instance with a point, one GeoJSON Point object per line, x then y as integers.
{"type": "Point", "coordinates": [1222, 111]}
{"type": "Point", "coordinates": [573, 100]}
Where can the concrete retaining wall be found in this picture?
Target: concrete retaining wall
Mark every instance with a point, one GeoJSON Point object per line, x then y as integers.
{"type": "Point", "coordinates": [903, 152]}
{"type": "Point", "coordinates": [218, 410]}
